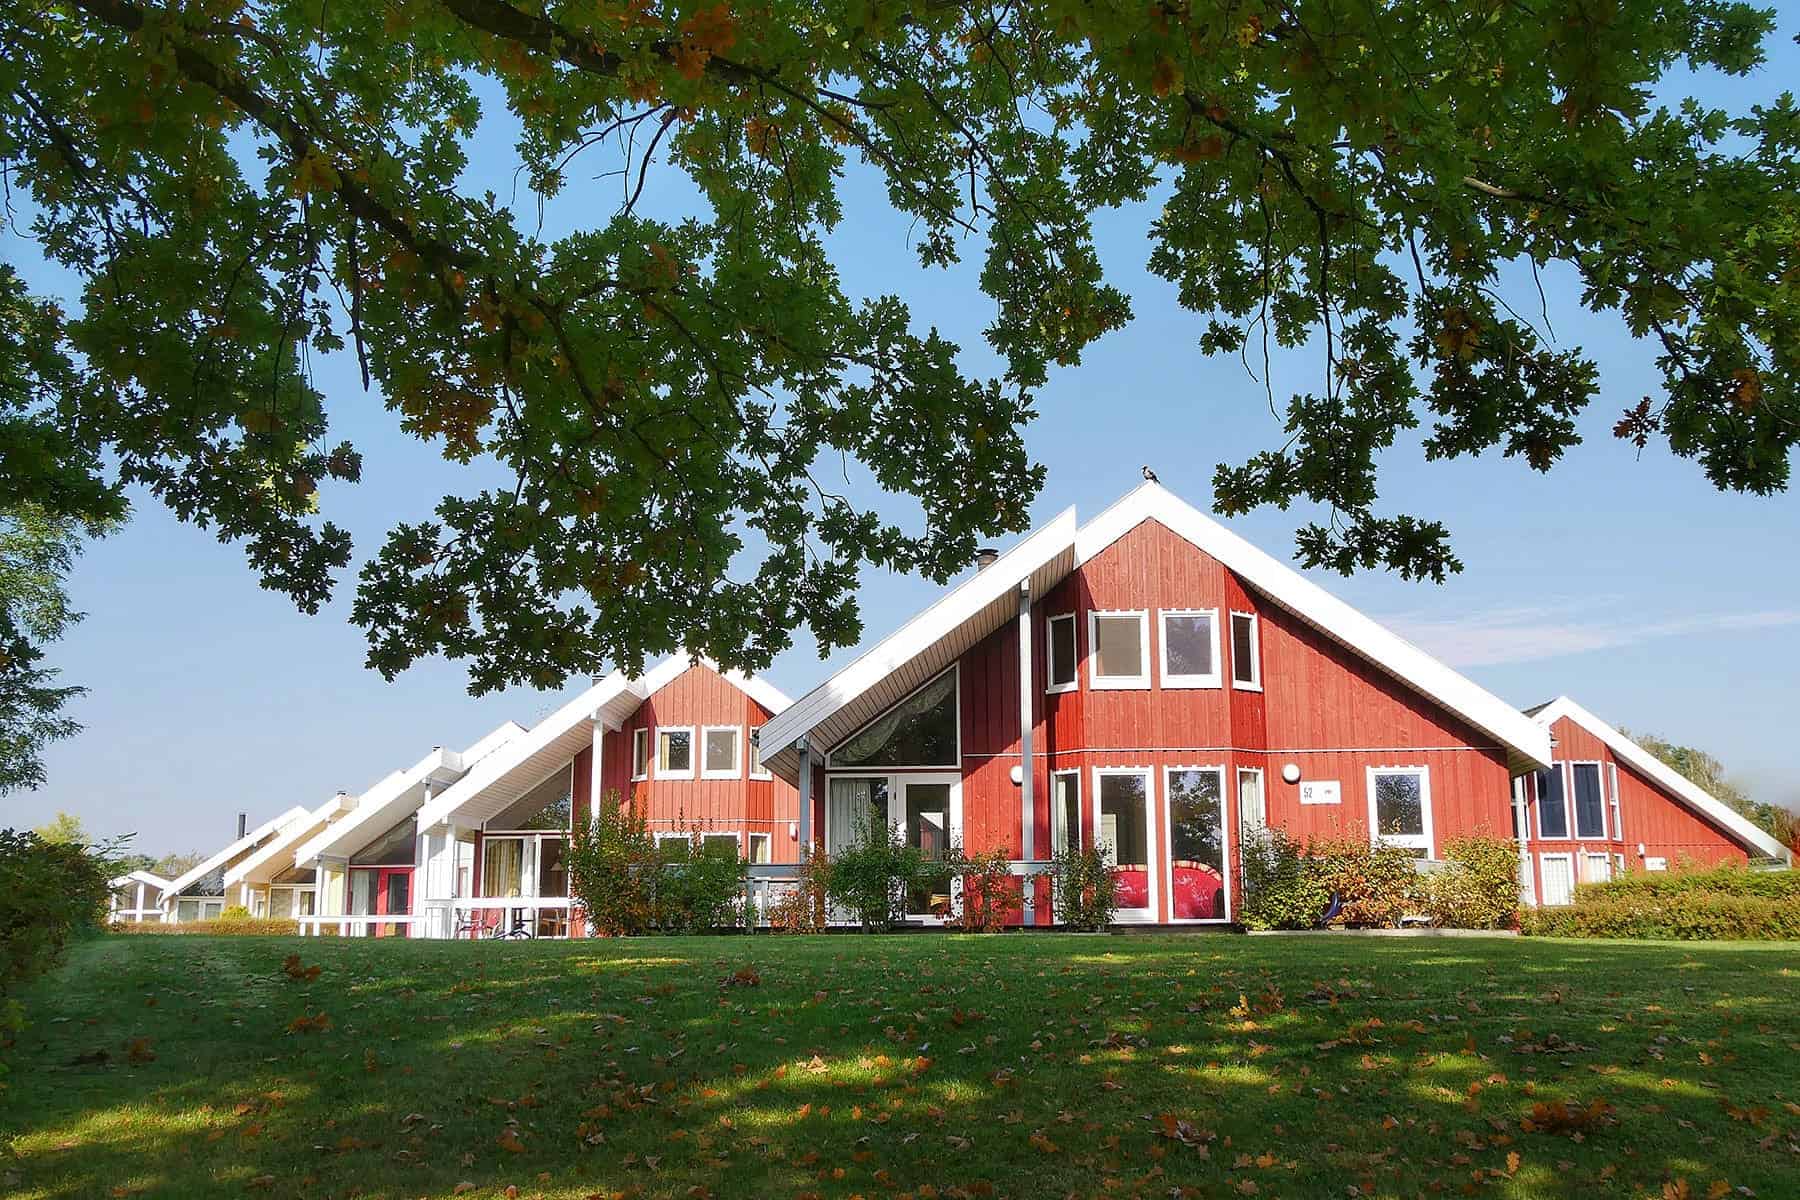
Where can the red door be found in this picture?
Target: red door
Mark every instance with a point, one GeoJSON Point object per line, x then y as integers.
{"type": "Point", "coordinates": [393, 897]}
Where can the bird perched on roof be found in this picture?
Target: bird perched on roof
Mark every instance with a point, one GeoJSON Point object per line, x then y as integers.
{"type": "Point", "coordinates": [1150, 475]}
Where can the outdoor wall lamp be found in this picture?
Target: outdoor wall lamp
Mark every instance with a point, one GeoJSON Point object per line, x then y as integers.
{"type": "Point", "coordinates": [1017, 775]}
{"type": "Point", "coordinates": [1290, 773]}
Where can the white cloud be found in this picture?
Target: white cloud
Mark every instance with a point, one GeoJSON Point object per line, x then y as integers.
{"type": "Point", "coordinates": [1493, 636]}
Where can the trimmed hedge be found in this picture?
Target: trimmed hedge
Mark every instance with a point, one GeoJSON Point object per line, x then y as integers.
{"type": "Point", "coordinates": [1718, 881]}
{"type": "Point", "coordinates": [1683, 915]}
{"type": "Point", "coordinates": [223, 927]}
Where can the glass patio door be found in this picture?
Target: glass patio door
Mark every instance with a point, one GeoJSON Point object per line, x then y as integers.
{"type": "Point", "coordinates": [393, 897]}
{"type": "Point", "coordinates": [1195, 797]}
{"type": "Point", "coordinates": [928, 826]}
{"type": "Point", "coordinates": [1123, 831]}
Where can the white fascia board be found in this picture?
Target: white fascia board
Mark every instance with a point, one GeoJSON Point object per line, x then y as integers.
{"type": "Point", "coordinates": [673, 667]}
{"type": "Point", "coordinates": [234, 849]}
{"type": "Point", "coordinates": [959, 604]}
{"type": "Point", "coordinates": [376, 803]}
{"type": "Point", "coordinates": [495, 766]}
{"type": "Point", "coordinates": [145, 877]}
{"type": "Point", "coordinates": [1665, 776]}
{"type": "Point", "coordinates": [1325, 612]}
{"type": "Point", "coordinates": [264, 855]}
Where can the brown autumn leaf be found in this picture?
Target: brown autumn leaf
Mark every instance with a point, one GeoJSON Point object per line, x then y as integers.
{"type": "Point", "coordinates": [138, 1051]}
{"type": "Point", "coordinates": [509, 1141]}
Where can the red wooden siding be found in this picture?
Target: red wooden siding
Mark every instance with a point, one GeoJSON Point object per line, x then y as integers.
{"type": "Point", "coordinates": [1648, 815]}
{"type": "Point", "coordinates": [1322, 707]}
{"type": "Point", "coordinates": [698, 697]}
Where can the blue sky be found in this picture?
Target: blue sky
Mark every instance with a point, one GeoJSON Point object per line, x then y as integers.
{"type": "Point", "coordinates": [1626, 581]}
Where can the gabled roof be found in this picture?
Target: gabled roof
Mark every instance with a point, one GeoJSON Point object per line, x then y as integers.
{"type": "Point", "coordinates": [269, 860]}
{"type": "Point", "coordinates": [982, 603]}
{"type": "Point", "coordinates": [1664, 776]}
{"type": "Point", "coordinates": [229, 853]}
{"type": "Point", "coordinates": [398, 796]}
{"type": "Point", "coordinates": [494, 784]}
{"type": "Point", "coordinates": [155, 881]}
{"type": "Point", "coordinates": [912, 655]}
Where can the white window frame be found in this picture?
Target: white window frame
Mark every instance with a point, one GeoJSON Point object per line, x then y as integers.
{"type": "Point", "coordinates": [750, 840]}
{"type": "Point", "coordinates": [831, 763]}
{"type": "Point", "coordinates": [1081, 838]}
{"type": "Point", "coordinates": [1168, 678]}
{"type": "Point", "coordinates": [1537, 802]}
{"type": "Point", "coordinates": [1425, 841]}
{"type": "Point", "coordinates": [1567, 856]}
{"type": "Point", "coordinates": [1050, 684]}
{"type": "Point", "coordinates": [1262, 786]}
{"type": "Point", "coordinates": [672, 835]}
{"type": "Point", "coordinates": [737, 842]}
{"type": "Point", "coordinates": [1255, 684]}
{"type": "Point", "coordinates": [1612, 798]}
{"type": "Point", "coordinates": [640, 763]}
{"type": "Point", "coordinates": [1103, 683]}
{"type": "Point", "coordinates": [693, 751]}
{"type": "Point", "coordinates": [736, 769]}
{"type": "Point", "coordinates": [1605, 859]}
{"type": "Point", "coordinates": [756, 769]}
{"type": "Point", "coordinates": [1152, 890]}
{"type": "Point", "coordinates": [1575, 833]}
{"type": "Point", "coordinates": [1168, 859]}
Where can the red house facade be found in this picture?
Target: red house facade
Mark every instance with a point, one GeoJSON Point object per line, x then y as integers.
{"type": "Point", "coordinates": [1152, 683]}
{"type": "Point", "coordinates": [1607, 805]}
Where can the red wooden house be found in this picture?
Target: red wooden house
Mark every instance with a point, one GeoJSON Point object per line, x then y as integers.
{"type": "Point", "coordinates": [1151, 682]}
{"type": "Point", "coordinates": [1607, 805]}
{"type": "Point", "coordinates": [677, 744]}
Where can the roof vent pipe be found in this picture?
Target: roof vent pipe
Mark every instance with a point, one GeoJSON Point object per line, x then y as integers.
{"type": "Point", "coordinates": [243, 824]}
{"type": "Point", "coordinates": [984, 557]}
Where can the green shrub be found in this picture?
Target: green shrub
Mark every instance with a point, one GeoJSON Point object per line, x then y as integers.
{"type": "Point", "coordinates": [221, 926]}
{"type": "Point", "coordinates": [234, 912]}
{"type": "Point", "coordinates": [990, 895]}
{"type": "Point", "coordinates": [1479, 889]}
{"type": "Point", "coordinates": [698, 890]}
{"type": "Point", "coordinates": [1724, 881]}
{"type": "Point", "coordinates": [1379, 883]}
{"type": "Point", "coordinates": [1086, 892]}
{"type": "Point", "coordinates": [1684, 916]}
{"type": "Point", "coordinates": [802, 908]}
{"type": "Point", "coordinates": [49, 892]}
{"type": "Point", "coordinates": [1283, 889]}
{"type": "Point", "coordinates": [612, 865]}
{"type": "Point", "coordinates": [874, 876]}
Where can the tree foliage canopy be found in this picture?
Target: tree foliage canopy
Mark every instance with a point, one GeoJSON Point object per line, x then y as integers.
{"type": "Point", "coordinates": [36, 551]}
{"type": "Point", "coordinates": [245, 186]}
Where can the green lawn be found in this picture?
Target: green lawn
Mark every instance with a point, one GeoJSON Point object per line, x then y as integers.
{"type": "Point", "coordinates": [1018, 1065]}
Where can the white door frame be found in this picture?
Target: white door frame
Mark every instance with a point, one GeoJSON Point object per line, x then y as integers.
{"type": "Point", "coordinates": [1134, 915]}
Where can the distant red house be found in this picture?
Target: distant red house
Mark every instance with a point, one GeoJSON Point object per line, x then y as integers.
{"type": "Point", "coordinates": [1607, 805]}
{"type": "Point", "coordinates": [1151, 682]}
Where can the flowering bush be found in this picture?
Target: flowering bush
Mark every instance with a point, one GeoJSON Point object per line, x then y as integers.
{"type": "Point", "coordinates": [990, 897]}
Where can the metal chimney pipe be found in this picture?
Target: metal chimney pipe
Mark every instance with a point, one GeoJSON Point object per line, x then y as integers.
{"type": "Point", "coordinates": [243, 824]}
{"type": "Point", "coordinates": [984, 557]}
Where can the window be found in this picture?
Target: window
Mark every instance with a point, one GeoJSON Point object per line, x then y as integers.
{"type": "Point", "coordinates": [1246, 653]}
{"type": "Point", "coordinates": [1612, 792]}
{"type": "Point", "coordinates": [674, 845]}
{"type": "Point", "coordinates": [1590, 805]}
{"type": "Point", "coordinates": [1190, 649]}
{"type": "Point", "coordinates": [675, 753]}
{"type": "Point", "coordinates": [719, 751]}
{"type": "Point", "coordinates": [640, 753]}
{"type": "Point", "coordinates": [503, 867]}
{"type": "Point", "coordinates": [1065, 811]}
{"type": "Point", "coordinates": [1196, 801]}
{"type": "Point", "coordinates": [1400, 808]}
{"type": "Point", "coordinates": [1122, 834]}
{"type": "Point", "coordinates": [759, 848]}
{"type": "Point", "coordinates": [1253, 807]}
{"type": "Point", "coordinates": [1596, 868]}
{"type": "Point", "coordinates": [1120, 644]}
{"type": "Point", "coordinates": [719, 845]}
{"type": "Point", "coordinates": [398, 847]}
{"type": "Point", "coordinates": [920, 731]}
{"type": "Point", "coordinates": [854, 807]}
{"type": "Point", "coordinates": [1553, 809]}
{"type": "Point", "coordinates": [545, 806]}
{"type": "Point", "coordinates": [552, 870]}
{"type": "Point", "coordinates": [757, 770]}
{"type": "Point", "coordinates": [1060, 653]}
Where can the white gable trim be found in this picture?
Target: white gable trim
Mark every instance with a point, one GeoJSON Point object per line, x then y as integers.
{"type": "Point", "coordinates": [1665, 776]}
{"type": "Point", "coordinates": [1528, 745]}
{"type": "Point", "coordinates": [270, 853]}
{"type": "Point", "coordinates": [144, 877]}
{"type": "Point", "coordinates": [236, 848]}
{"type": "Point", "coordinates": [963, 603]}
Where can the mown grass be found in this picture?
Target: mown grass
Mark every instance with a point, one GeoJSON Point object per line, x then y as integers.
{"type": "Point", "coordinates": [1017, 1065]}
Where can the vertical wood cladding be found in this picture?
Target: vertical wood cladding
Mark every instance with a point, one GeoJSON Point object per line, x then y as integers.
{"type": "Point", "coordinates": [1648, 815]}
{"type": "Point", "coordinates": [696, 698]}
{"type": "Point", "coordinates": [1321, 707]}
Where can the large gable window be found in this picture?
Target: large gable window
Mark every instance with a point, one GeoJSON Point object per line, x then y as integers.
{"type": "Point", "coordinates": [1553, 809]}
{"type": "Point", "coordinates": [675, 753]}
{"type": "Point", "coordinates": [1590, 804]}
{"type": "Point", "coordinates": [1060, 653]}
{"type": "Point", "coordinates": [1190, 649]}
{"type": "Point", "coordinates": [1120, 644]}
{"type": "Point", "coordinates": [920, 731]}
{"type": "Point", "coordinates": [395, 848]}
